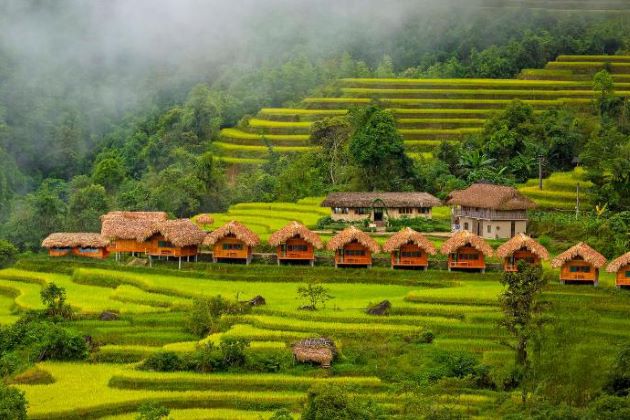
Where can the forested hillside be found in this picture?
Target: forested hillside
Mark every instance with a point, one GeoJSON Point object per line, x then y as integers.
{"type": "Point", "coordinates": [89, 124]}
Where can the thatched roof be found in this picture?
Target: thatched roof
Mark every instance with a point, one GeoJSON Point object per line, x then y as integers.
{"type": "Point", "coordinates": [131, 225]}
{"type": "Point", "coordinates": [349, 235]}
{"type": "Point", "coordinates": [204, 219]}
{"type": "Point", "coordinates": [406, 236]}
{"type": "Point", "coordinates": [522, 241]}
{"type": "Point", "coordinates": [75, 239]}
{"type": "Point", "coordinates": [391, 199]}
{"type": "Point", "coordinates": [295, 229]}
{"type": "Point", "coordinates": [241, 232]}
{"type": "Point", "coordinates": [181, 232]}
{"type": "Point", "coordinates": [587, 253]}
{"type": "Point", "coordinates": [488, 196]}
{"type": "Point", "coordinates": [617, 263]}
{"type": "Point", "coordinates": [463, 238]}
{"type": "Point", "coordinates": [315, 350]}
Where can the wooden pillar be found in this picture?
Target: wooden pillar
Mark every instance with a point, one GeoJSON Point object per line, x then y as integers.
{"type": "Point", "coordinates": [150, 261]}
{"type": "Point", "coordinates": [180, 263]}
{"type": "Point", "coordinates": [187, 258]}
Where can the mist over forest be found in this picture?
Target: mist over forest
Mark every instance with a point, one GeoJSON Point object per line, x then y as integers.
{"type": "Point", "coordinates": [122, 95]}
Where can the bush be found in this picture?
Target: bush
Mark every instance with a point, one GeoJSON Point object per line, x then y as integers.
{"type": "Point", "coordinates": [63, 344]}
{"type": "Point", "coordinates": [233, 350]}
{"type": "Point", "coordinates": [8, 253]}
{"type": "Point", "coordinates": [205, 359]}
{"type": "Point", "coordinates": [205, 314]}
{"type": "Point", "coordinates": [152, 411]}
{"type": "Point", "coordinates": [163, 362]}
{"type": "Point", "coordinates": [268, 361]}
{"type": "Point", "coordinates": [282, 414]}
{"type": "Point", "coordinates": [12, 403]}
{"type": "Point", "coordinates": [330, 402]}
{"type": "Point", "coordinates": [619, 381]}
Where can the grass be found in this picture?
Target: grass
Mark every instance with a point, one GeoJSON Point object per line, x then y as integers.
{"type": "Point", "coordinates": [559, 190]}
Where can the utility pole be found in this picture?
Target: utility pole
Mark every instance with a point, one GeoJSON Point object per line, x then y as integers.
{"type": "Point", "coordinates": [540, 161]}
{"type": "Point", "coordinates": [577, 202]}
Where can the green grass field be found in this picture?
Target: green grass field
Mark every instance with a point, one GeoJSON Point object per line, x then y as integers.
{"type": "Point", "coordinates": [560, 191]}
{"type": "Point", "coordinates": [460, 309]}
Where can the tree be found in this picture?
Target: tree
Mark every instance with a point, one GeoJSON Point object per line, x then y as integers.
{"type": "Point", "coordinates": [54, 297]}
{"type": "Point", "coordinates": [8, 252]}
{"type": "Point", "coordinates": [377, 149]}
{"type": "Point", "coordinates": [314, 293]}
{"type": "Point", "coordinates": [333, 135]}
{"type": "Point", "coordinates": [85, 207]}
{"type": "Point", "coordinates": [109, 172]}
{"type": "Point", "coordinates": [12, 403]}
{"type": "Point", "coordinates": [519, 303]}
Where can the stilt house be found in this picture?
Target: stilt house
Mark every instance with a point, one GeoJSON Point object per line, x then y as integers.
{"type": "Point", "coordinates": [580, 263]}
{"type": "Point", "coordinates": [521, 248]}
{"type": "Point", "coordinates": [621, 266]}
{"type": "Point", "coordinates": [178, 238]}
{"type": "Point", "coordinates": [410, 249]}
{"type": "Point", "coordinates": [128, 230]}
{"type": "Point", "coordinates": [466, 251]}
{"type": "Point", "coordinates": [353, 247]}
{"type": "Point", "coordinates": [232, 242]}
{"type": "Point", "coordinates": [295, 242]}
{"type": "Point", "coordinates": [91, 245]}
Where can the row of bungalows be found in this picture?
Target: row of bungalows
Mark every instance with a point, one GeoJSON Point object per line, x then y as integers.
{"type": "Point", "coordinates": [152, 234]}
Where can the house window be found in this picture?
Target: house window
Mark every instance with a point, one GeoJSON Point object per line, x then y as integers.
{"type": "Point", "coordinates": [580, 269]}
{"type": "Point", "coordinates": [411, 254]}
{"type": "Point", "coordinates": [465, 225]}
{"type": "Point", "coordinates": [297, 248]}
{"type": "Point", "coordinates": [165, 244]}
{"type": "Point", "coordinates": [232, 247]}
{"type": "Point", "coordinates": [63, 249]}
{"type": "Point", "coordinates": [340, 210]}
{"type": "Point", "coordinates": [362, 210]}
{"type": "Point", "coordinates": [424, 210]}
{"type": "Point", "coordinates": [88, 250]}
{"type": "Point", "coordinates": [355, 252]}
{"type": "Point", "coordinates": [405, 210]}
{"type": "Point", "coordinates": [489, 229]}
{"type": "Point", "coordinates": [469, 257]}
{"type": "Point", "coordinates": [628, 274]}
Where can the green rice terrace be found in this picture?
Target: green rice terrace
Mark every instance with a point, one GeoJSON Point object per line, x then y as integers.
{"type": "Point", "coordinates": [375, 353]}
{"type": "Point", "coordinates": [427, 111]}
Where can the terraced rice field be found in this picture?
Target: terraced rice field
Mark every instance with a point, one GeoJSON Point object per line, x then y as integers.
{"type": "Point", "coordinates": [460, 309]}
{"type": "Point", "coordinates": [560, 191]}
{"type": "Point", "coordinates": [565, 6]}
{"type": "Point", "coordinates": [428, 111]}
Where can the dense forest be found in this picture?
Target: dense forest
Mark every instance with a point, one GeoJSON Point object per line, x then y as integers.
{"type": "Point", "coordinates": [84, 130]}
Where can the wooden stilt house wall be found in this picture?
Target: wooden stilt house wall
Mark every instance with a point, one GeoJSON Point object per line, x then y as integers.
{"type": "Point", "coordinates": [580, 263]}
{"type": "Point", "coordinates": [90, 245]}
{"type": "Point", "coordinates": [232, 242]}
{"type": "Point", "coordinates": [409, 248]}
{"type": "Point", "coordinates": [353, 247]}
{"type": "Point", "coordinates": [295, 242]}
{"type": "Point", "coordinates": [521, 248]}
{"type": "Point", "coordinates": [466, 251]}
{"type": "Point", "coordinates": [621, 267]}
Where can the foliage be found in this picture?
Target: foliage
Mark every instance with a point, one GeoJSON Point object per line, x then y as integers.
{"type": "Point", "coordinates": [8, 253]}
{"type": "Point", "coordinates": [619, 380]}
{"type": "Point", "coordinates": [519, 303]}
{"type": "Point", "coordinates": [282, 414]}
{"type": "Point", "coordinates": [333, 402]}
{"type": "Point", "coordinates": [205, 314]}
{"type": "Point", "coordinates": [12, 403]}
{"type": "Point", "coordinates": [54, 297]}
{"type": "Point", "coordinates": [314, 293]}
{"type": "Point", "coordinates": [151, 411]}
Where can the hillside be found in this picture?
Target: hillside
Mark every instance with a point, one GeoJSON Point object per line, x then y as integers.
{"type": "Point", "coordinates": [428, 111]}
{"type": "Point", "coordinates": [574, 6]}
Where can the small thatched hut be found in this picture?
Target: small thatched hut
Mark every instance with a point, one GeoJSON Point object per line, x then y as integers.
{"type": "Point", "coordinates": [490, 211]}
{"type": "Point", "coordinates": [580, 263]}
{"type": "Point", "coordinates": [353, 247]}
{"type": "Point", "coordinates": [204, 219]}
{"type": "Point", "coordinates": [295, 242]}
{"type": "Point", "coordinates": [128, 230]}
{"type": "Point", "coordinates": [409, 249]}
{"type": "Point", "coordinates": [521, 248]}
{"type": "Point", "coordinates": [232, 242]}
{"type": "Point", "coordinates": [466, 251]}
{"type": "Point", "coordinates": [91, 245]}
{"type": "Point", "coordinates": [174, 238]}
{"type": "Point", "coordinates": [315, 350]}
{"type": "Point", "coordinates": [621, 266]}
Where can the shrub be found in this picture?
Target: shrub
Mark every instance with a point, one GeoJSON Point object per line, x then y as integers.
{"type": "Point", "coordinates": [205, 314]}
{"type": "Point", "coordinates": [282, 414]}
{"type": "Point", "coordinates": [619, 381]}
{"type": "Point", "coordinates": [8, 252]}
{"type": "Point", "coordinates": [12, 403]}
{"type": "Point", "coordinates": [11, 363]}
{"type": "Point", "coordinates": [233, 350]}
{"type": "Point", "coordinates": [152, 411]}
{"type": "Point", "coordinates": [163, 362]}
{"type": "Point", "coordinates": [268, 361]}
{"type": "Point", "coordinates": [62, 344]}
{"type": "Point", "coordinates": [54, 297]}
{"type": "Point", "coordinates": [329, 402]}
{"type": "Point", "coordinates": [205, 359]}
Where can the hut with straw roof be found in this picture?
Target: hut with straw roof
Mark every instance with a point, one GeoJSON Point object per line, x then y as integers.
{"type": "Point", "coordinates": [490, 211]}
{"type": "Point", "coordinates": [521, 248]}
{"type": "Point", "coordinates": [621, 266]}
{"type": "Point", "coordinates": [128, 230]}
{"type": "Point", "coordinates": [204, 219]}
{"type": "Point", "coordinates": [580, 263]}
{"type": "Point", "coordinates": [353, 247]}
{"type": "Point", "coordinates": [295, 242]}
{"type": "Point", "coordinates": [466, 251]}
{"type": "Point", "coordinates": [321, 351]}
{"type": "Point", "coordinates": [410, 249]}
{"type": "Point", "coordinates": [232, 242]}
{"type": "Point", "coordinates": [179, 238]}
{"type": "Point", "coordinates": [91, 245]}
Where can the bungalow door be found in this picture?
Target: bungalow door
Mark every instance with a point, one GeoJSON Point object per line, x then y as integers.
{"type": "Point", "coordinates": [378, 215]}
